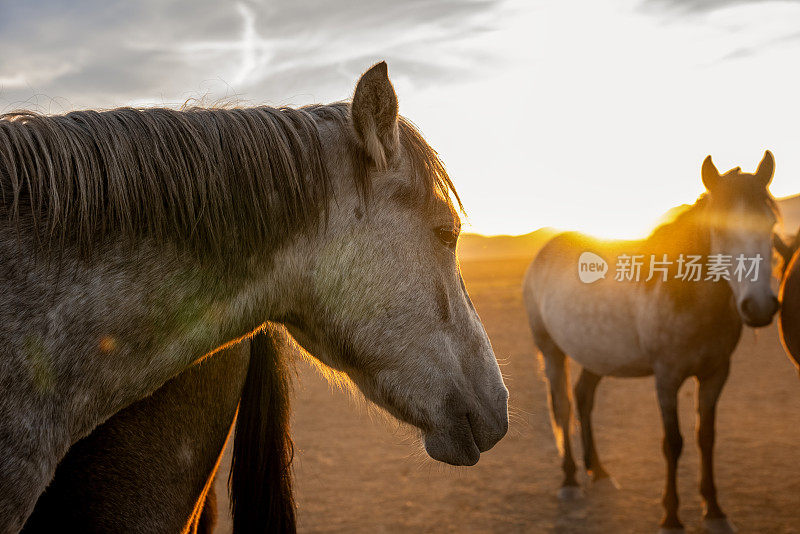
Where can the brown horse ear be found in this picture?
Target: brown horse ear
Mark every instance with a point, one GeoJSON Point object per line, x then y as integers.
{"type": "Point", "coordinates": [766, 168]}
{"type": "Point", "coordinates": [710, 174]}
{"type": "Point", "coordinates": [796, 242]}
{"type": "Point", "coordinates": [782, 248]}
{"type": "Point", "coordinates": [374, 114]}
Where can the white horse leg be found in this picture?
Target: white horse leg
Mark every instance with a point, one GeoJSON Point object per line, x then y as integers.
{"type": "Point", "coordinates": [667, 386]}
{"type": "Point", "coordinates": [709, 389]}
{"type": "Point", "coordinates": [557, 371]}
{"type": "Point", "coordinates": [584, 399]}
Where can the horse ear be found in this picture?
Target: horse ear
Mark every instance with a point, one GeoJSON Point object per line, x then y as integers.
{"type": "Point", "coordinates": [796, 242]}
{"type": "Point", "coordinates": [710, 174]}
{"type": "Point", "coordinates": [782, 248]}
{"type": "Point", "coordinates": [766, 168]}
{"type": "Point", "coordinates": [374, 114]}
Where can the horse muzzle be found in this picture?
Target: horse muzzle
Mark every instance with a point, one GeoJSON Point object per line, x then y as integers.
{"type": "Point", "coordinates": [758, 313]}
{"type": "Point", "coordinates": [468, 431]}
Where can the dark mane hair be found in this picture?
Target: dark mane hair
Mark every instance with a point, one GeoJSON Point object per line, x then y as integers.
{"type": "Point", "coordinates": [428, 168]}
{"type": "Point", "coordinates": [213, 180]}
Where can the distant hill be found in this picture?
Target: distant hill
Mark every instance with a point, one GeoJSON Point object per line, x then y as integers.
{"type": "Point", "coordinates": [480, 247]}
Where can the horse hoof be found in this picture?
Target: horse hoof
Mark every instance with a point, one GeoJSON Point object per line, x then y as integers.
{"type": "Point", "coordinates": [570, 493]}
{"type": "Point", "coordinates": [718, 525]}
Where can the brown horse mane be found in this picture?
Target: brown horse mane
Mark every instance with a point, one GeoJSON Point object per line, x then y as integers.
{"type": "Point", "coordinates": [687, 231]}
{"type": "Point", "coordinates": [785, 252]}
{"type": "Point", "coordinates": [213, 180]}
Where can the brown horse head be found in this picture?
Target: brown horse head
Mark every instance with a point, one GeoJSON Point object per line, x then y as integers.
{"type": "Point", "coordinates": [742, 214]}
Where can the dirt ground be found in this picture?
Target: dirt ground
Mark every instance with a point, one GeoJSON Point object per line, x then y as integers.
{"type": "Point", "coordinates": [358, 472]}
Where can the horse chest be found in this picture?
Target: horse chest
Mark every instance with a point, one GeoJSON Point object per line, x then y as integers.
{"type": "Point", "coordinates": [691, 339]}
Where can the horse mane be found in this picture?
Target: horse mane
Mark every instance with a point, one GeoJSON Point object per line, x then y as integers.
{"type": "Point", "coordinates": [213, 180]}
{"type": "Point", "coordinates": [687, 232]}
{"type": "Point", "coordinates": [684, 232]}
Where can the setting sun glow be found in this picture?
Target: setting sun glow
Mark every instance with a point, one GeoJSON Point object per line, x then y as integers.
{"type": "Point", "coordinates": [597, 115]}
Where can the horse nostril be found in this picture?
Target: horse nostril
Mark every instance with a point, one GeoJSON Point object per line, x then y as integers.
{"type": "Point", "coordinates": [751, 310]}
{"type": "Point", "coordinates": [747, 307]}
{"type": "Point", "coordinates": [776, 304]}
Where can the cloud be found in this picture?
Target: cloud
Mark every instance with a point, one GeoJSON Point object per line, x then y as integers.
{"type": "Point", "coordinates": [93, 53]}
{"type": "Point", "coordinates": [696, 6]}
{"type": "Point", "coordinates": [743, 29]}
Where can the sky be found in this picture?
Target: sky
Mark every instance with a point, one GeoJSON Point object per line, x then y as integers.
{"type": "Point", "coordinates": [582, 114]}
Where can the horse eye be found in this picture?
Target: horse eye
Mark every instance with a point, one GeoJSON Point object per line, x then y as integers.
{"type": "Point", "coordinates": [447, 235]}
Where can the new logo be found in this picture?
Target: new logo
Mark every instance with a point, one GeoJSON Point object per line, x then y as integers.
{"type": "Point", "coordinates": [591, 267]}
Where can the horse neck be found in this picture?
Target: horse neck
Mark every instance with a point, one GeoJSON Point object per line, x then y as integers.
{"type": "Point", "coordinates": [688, 235]}
{"type": "Point", "coordinates": [114, 328]}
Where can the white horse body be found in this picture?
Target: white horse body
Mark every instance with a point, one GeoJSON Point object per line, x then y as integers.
{"type": "Point", "coordinates": [672, 327]}
{"type": "Point", "coordinates": [616, 328]}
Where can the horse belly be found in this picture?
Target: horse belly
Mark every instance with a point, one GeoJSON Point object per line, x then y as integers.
{"type": "Point", "coordinates": [599, 334]}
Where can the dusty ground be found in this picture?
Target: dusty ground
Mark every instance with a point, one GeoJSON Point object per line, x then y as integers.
{"type": "Point", "coordinates": [359, 473]}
